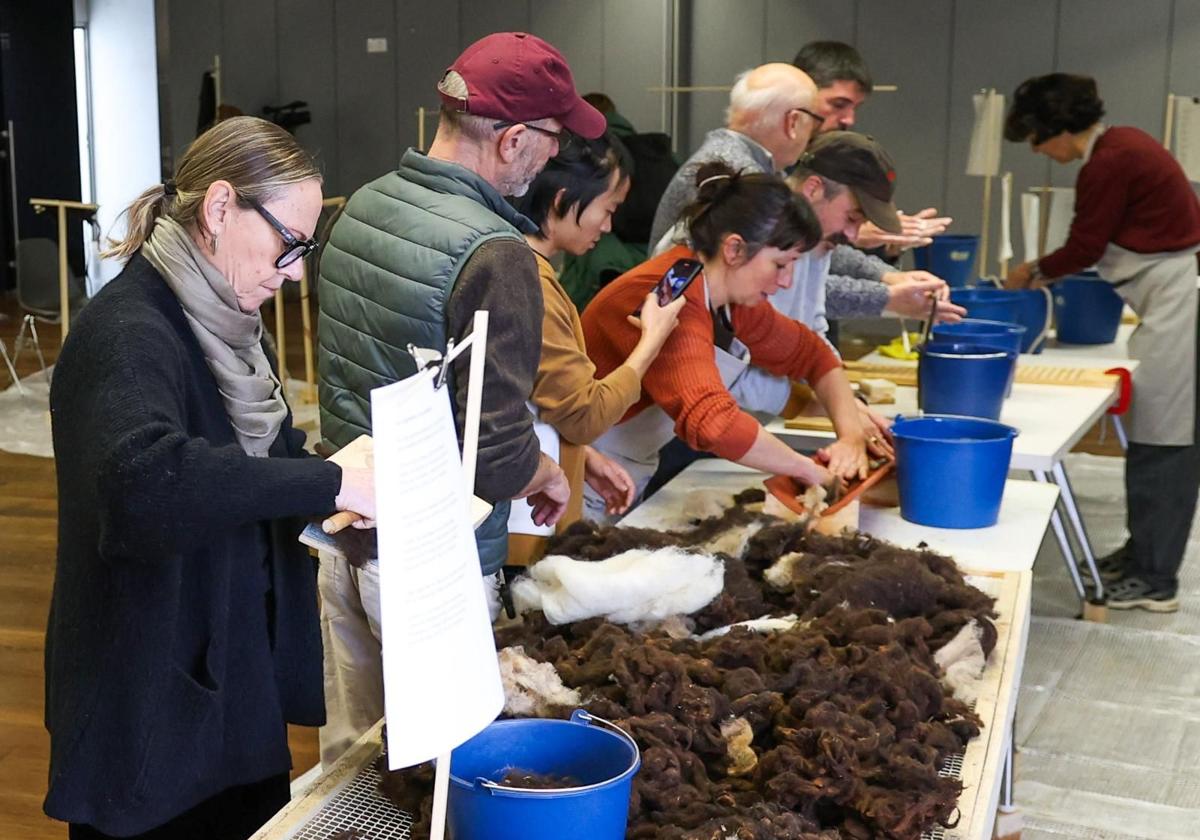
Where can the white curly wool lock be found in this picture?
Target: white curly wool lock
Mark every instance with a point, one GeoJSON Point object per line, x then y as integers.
{"type": "Point", "coordinates": [636, 585]}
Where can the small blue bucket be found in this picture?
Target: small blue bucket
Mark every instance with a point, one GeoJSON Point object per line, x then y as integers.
{"type": "Point", "coordinates": [951, 256]}
{"type": "Point", "coordinates": [604, 760]}
{"type": "Point", "coordinates": [1087, 310]}
{"type": "Point", "coordinates": [976, 331]}
{"type": "Point", "coordinates": [1034, 311]}
{"type": "Point", "coordinates": [951, 470]}
{"type": "Point", "coordinates": [987, 304]}
{"type": "Point", "coordinates": [964, 379]}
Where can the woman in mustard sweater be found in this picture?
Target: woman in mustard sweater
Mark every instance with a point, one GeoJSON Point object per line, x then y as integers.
{"type": "Point", "coordinates": [572, 202]}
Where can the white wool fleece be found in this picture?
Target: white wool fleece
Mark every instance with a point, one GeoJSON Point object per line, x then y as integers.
{"type": "Point", "coordinates": [636, 585]}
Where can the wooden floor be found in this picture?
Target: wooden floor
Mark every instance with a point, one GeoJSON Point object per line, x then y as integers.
{"type": "Point", "coordinates": [28, 522]}
{"type": "Point", "coordinates": [28, 527]}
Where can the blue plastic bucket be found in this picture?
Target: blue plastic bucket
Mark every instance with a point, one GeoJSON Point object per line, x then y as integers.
{"type": "Point", "coordinates": [1034, 311]}
{"type": "Point", "coordinates": [994, 333]}
{"type": "Point", "coordinates": [987, 304]}
{"type": "Point", "coordinates": [604, 760]}
{"type": "Point", "coordinates": [964, 379]}
{"type": "Point", "coordinates": [951, 256]}
{"type": "Point", "coordinates": [951, 470]}
{"type": "Point", "coordinates": [1087, 310]}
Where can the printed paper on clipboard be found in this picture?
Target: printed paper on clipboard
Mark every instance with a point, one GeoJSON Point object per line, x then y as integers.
{"type": "Point", "coordinates": [520, 515]}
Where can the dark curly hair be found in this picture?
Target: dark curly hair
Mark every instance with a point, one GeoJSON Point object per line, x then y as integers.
{"type": "Point", "coordinates": [1045, 106]}
{"type": "Point", "coordinates": [758, 207]}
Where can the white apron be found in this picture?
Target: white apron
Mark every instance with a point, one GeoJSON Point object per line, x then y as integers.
{"type": "Point", "coordinates": [1161, 289]}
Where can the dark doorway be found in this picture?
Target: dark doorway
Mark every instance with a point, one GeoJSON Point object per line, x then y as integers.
{"type": "Point", "coordinates": [38, 118]}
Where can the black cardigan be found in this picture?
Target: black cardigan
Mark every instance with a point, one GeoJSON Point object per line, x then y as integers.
{"type": "Point", "coordinates": [183, 629]}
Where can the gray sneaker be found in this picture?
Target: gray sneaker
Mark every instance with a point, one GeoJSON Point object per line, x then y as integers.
{"type": "Point", "coordinates": [1111, 566]}
{"type": "Point", "coordinates": [1130, 593]}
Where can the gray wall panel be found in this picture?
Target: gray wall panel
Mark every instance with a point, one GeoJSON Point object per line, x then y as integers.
{"type": "Point", "coordinates": [310, 74]}
{"type": "Point", "coordinates": [194, 38]}
{"type": "Point", "coordinates": [1185, 42]}
{"type": "Point", "coordinates": [633, 59]}
{"type": "Point", "coordinates": [911, 122]}
{"type": "Point", "coordinates": [791, 24]}
{"type": "Point", "coordinates": [482, 17]}
{"type": "Point", "coordinates": [427, 42]}
{"type": "Point", "coordinates": [576, 28]}
{"type": "Point", "coordinates": [367, 135]}
{"type": "Point", "coordinates": [727, 38]}
{"type": "Point", "coordinates": [995, 45]}
{"type": "Point", "coordinates": [1124, 45]}
{"type": "Point", "coordinates": [249, 67]}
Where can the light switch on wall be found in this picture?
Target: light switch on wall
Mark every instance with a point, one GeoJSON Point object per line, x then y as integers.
{"type": "Point", "coordinates": [377, 45]}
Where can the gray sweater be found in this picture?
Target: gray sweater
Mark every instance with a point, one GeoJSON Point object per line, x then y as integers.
{"type": "Point", "coordinates": [853, 288]}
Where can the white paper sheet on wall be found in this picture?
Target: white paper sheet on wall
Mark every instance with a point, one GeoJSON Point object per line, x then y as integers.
{"type": "Point", "coordinates": [1030, 204]}
{"type": "Point", "coordinates": [1005, 250]}
{"type": "Point", "coordinates": [983, 157]}
{"type": "Point", "coordinates": [1061, 211]}
{"type": "Point", "coordinates": [1187, 135]}
{"type": "Point", "coordinates": [440, 673]}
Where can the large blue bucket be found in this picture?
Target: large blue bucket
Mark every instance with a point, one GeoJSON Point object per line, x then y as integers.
{"type": "Point", "coordinates": [1087, 310]}
{"type": "Point", "coordinates": [987, 304]}
{"type": "Point", "coordinates": [604, 760]}
{"type": "Point", "coordinates": [994, 333]}
{"type": "Point", "coordinates": [951, 470]}
{"type": "Point", "coordinates": [965, 379]}
{"type": "Point", "coordinates": [951, 256]}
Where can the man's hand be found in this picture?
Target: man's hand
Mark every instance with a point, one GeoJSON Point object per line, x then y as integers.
{"type": "Point", "coordinates": [1021, 277]}
{"type": "Point", "coordinates": [846, 457]}
{"type": "Point", "coordinates": [910, 294]}
{"type": "Point", "coordinates": [917, 230]}
{"type": "Point", "coordinates": [611, 480]}
{"type": "Point", "coordinates": [547, 493]}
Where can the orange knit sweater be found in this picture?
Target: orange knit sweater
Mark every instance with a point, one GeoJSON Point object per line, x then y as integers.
{"type": "Point", "coordinates": [684, 380]}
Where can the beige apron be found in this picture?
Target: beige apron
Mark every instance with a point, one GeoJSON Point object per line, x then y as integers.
{"type": "Point", "coordinates": [1161, 289]}
{"type": "Point", "coordinates": [635, 443]}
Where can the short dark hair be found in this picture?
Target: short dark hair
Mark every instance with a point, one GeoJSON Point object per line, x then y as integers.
{"type": "Point", "coordinates": [758, 207]}
{"type": "Point", "coordinates": [827, 62]}
{"type": "Point", "coordinates": [581, 170]}
{"type": "Point", "coordinates": [1045, 106]}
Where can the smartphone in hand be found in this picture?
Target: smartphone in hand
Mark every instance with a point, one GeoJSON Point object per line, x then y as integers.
{"type": "Point", "coordinates": [675, 282]}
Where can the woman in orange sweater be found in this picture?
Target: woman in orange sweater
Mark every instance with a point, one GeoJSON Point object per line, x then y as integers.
{"type": "Point", "coordinates": [746, 231]}
{"type": "Point", "coordinates": [572, 202]}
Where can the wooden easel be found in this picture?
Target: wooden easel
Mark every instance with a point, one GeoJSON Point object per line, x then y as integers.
{"type": "Point", "coordinates": [63, 205]}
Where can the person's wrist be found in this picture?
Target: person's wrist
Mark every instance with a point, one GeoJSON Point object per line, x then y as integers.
{"type": "Point", "coordinates": [1035, 272]}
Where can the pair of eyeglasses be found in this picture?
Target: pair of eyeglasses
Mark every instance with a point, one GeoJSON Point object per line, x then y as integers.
{"type": "Point", "coordinates": [815, 116]}
{"type": "Point", "coordinates": [560, 136]}
{"type": "Point", "coordinates": [294, 249]}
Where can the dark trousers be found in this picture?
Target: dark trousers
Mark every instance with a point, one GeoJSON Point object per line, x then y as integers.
{"type": "Point", "coordinates": [1161, 486]}
{"type": "Point", "coordinates": [673, 459]}
{"type": "Point", "coordinates": [233, 814]}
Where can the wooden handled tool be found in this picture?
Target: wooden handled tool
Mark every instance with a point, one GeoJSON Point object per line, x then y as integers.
{"type": "Point", "coordinates": [339, 521]}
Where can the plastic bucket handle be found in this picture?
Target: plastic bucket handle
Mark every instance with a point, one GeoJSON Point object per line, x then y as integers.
{"type": "Point", "coordinates": [582, 718]}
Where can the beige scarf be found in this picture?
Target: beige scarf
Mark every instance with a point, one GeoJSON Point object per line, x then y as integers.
{"type": "Point", "coordinates": [230, 339]}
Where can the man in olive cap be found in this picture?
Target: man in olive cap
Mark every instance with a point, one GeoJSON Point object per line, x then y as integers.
{"type": "Point", "coordinates": [416, 253]}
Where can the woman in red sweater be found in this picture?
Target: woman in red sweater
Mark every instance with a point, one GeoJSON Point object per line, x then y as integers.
{"type": "Point", "coordinates": [1137, 219]}
{"type": "Point", "coordinates": [746, 231]}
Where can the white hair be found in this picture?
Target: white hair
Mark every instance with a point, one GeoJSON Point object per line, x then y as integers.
{"type": "Point", "coordinates": [763, 103]}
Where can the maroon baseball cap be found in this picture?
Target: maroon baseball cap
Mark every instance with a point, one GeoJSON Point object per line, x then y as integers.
{"type": "Point", "coordinates": [518, 77]}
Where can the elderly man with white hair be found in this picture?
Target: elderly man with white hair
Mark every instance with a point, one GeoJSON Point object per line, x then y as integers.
{"type": "Point", "coordinates": [773, 113]}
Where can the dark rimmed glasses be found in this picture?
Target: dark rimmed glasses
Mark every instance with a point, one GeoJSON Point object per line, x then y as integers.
{"type": "Point", "coordinates": [561, 136]}
{"type": "Point", "coordinates": [815, 116]}
{"type": "Point", "coordinates": [294, 249]}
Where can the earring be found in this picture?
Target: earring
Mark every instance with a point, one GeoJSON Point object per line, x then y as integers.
{"type": "Point", "coordinates": [214, 244]}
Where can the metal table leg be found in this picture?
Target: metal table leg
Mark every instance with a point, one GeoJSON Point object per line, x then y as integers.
{"type": "Point", "coordinates": [1068, 498]}
{"type": "Point", "coordinates": [1119, 428]}
{"type": "Point", "coordinates": [1006, 771]}
{"type": "Point", "coordinates": [1064, 541]}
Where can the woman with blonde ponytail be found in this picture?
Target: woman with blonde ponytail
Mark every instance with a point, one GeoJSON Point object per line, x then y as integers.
{"type": "Point", "coordinates": [183, 633]}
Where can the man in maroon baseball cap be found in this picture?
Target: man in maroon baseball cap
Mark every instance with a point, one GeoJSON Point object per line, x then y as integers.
{"type": "Point", "coordinates": [518, 78]}
{"type": "Point", "coordinates": [416, 253]}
